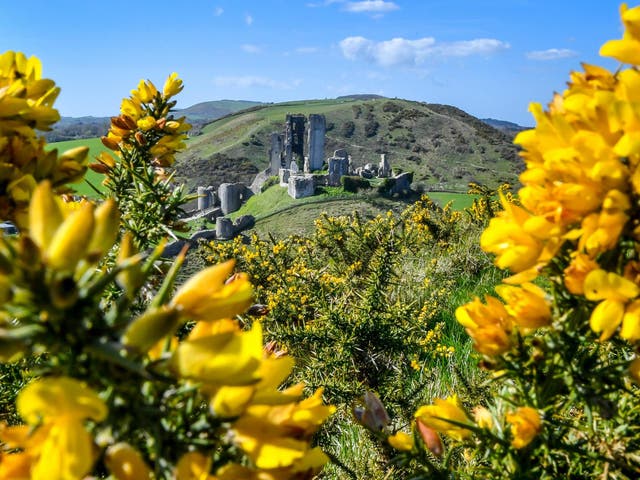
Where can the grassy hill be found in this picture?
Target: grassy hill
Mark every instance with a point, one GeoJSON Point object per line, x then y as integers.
{"type": "Point", "coordinates": [207, 111]}
{"type": "Point", "coordinates": [445, 147]}
{"type": "Point", "coordinates": [75, 128]}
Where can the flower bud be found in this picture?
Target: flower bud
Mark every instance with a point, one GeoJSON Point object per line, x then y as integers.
{"type": "Point", "coordinates": [140, 138]}
{"type": "Point", "coordinates": [45, 215]}
{"type": "Point", "coordinates": [106, 225]}
{"type": "Point", "coordinates": [150, 327]}
{"type": "Point", "coordinates": [125, 463]}
{"type": "Point", "coordinates": [70, 242]}
{"type": "Point", "coordinates": [110, 142]}
{"type": "Point", "coordinates": [132, 277]}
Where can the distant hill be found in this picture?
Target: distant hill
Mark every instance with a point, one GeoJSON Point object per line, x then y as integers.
{"type": "Point", "coordinates": [360, 96]}
{"type": "Point", "coordinates": [74, 128]}
{"type": "Point", "coordinates": [510, 128]}
{"type": "Point", "coordinates": [445, 147]}
{"type": "Point", "coordinates": [208, 111]}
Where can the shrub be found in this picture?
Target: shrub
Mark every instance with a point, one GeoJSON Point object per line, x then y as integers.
{"type": "Point", "coordinates": [347, 129]}
{"type": "Point", "coordinates": [371, 128]}
{"type": "Point", "coordinates": [125, 378]}
{"type": "Point", "coordinates": [270, 182]}
{"type": "Point", "coordinates": [354, 183]}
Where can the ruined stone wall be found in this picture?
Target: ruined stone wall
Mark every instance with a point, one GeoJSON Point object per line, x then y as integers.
{"type": "Point", "coordinates": [294, 139]}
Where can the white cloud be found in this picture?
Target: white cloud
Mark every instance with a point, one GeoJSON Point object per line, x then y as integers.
{"type": "Point", "coordinates": [368, 6]}
{"type": "Point", "coordinates": [248, 19]}
{"type": "Point", "coordinates": [551, 54]}
{"type": "Point", "coordinates": [397, 51]}
{"type": "Point", "coordinates": [249, 48]}
{"type": "Point", "coordinates": [401, 51]}
{"type": "Point", "coordinates": [465, 48]}
{"type": "Point", "coordinates": [218, 11]}
{"type": "Point", "coordinates": [250, 81]}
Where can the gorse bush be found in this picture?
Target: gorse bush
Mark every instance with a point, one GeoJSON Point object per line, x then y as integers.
{"type": "Point", "coordinates": [562, 350]}
{"type": "Point", "coordinates": [147, 382]}
{"type": "Point", "coordinates": [367, 306]}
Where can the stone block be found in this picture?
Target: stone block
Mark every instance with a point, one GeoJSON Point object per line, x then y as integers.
{"type": "Point", "coordinates": [301, 186]}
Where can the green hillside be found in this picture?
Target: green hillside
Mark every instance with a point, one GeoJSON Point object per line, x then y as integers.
{"type": "Point", "coordinates": [207, 111]}
{"type": "Point", "coordinates": [444, 147]}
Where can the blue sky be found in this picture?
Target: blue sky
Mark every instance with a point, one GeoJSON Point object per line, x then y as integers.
{"type": "Point", "coordinates": [488, 57]}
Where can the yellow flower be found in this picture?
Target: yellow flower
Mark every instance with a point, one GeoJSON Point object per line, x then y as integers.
{"type": "Point", "coordinates": [193, 466]}
{"type": "Point", "coordinates": [305, 467]}
{"type": "Point", "coordinates": [483, 417]}
{"type": "Point", "coordinates": [206, 295]}
{"type": "Point", "coordinates": [125, 463]}
{"type": "Point", "coordinates": [525, 425]}
{"type": "Point", "coordinates": [228, 358]}
{"type": "Point", "coordinates": [146, 123]}
{"type": "Point", "coordinates": [488, 325]}
{"type": "Point", "coordinates": [576, 272]}
{"type": "Point", "coordinates": [146, 91]}
{"type": "Point", "coordinates": [507, 238]}
{"type": "Point", "coordinates": [230, 401]}
{"type": "Point", "coordinates": [149, 328]}
{"type": "Point", "coordinates": [401, 441]}
{"type": "Point", "coordinates": [614, 291]}
{"type": "Point", "coordinates": [626, 50]}
{"type": "Point", "coordinates": [277, 436]}
{"type": "Point", "coordinates": [59, 406]}
{"type": "Point", "coordinates": [444, 417]}
{"type": "Point", "coordinates": [51, 398]}
{"type": "Point", "coordinates": [172, 86]}
{"type": "Point", "coordinates": [526, 304]}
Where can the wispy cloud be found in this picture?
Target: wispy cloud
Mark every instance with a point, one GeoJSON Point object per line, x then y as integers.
{"type": "Point", "coordinates": [218, 11]}
{"type": "Point", "coordinates": [250, 81]}
{"type": "Point", "coordinates": [402, 51]}
{"type": "Point", "coordinates": [551, 54]}
{"type": "Point", "coordinates": [249, 48]}
{"type": "Point", "coordinates": [465, 48]}
{"type": "Point", "coordinates": [371, 6]}
{"type": "Point", "coordinates": [248, 19]}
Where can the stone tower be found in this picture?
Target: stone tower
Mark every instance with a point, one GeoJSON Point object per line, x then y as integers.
{"type": "Point", "coordinates": [315, 140]}
{"type": "Point", "coordinates": [294, 139]}
{"type": "Point", "coordinates": [275, 153]}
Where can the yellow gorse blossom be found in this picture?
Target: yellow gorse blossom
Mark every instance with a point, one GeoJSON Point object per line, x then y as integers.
{"type": "Point", "coordinates": [125, 463]}
{"type": "Point", "coordinates": [26, 107]}
{"type": "Point", "coordinates": [525, 426]}
{"type": "Point", "coordinates": [145, 124]}
{"type": "Point", "coordinates": [86, 234]}
{"type": "Point", "coordinates": [617, 305]}
{"type": "Point", "coordinates": [56, 408]}
{"type": "Point", "coordinates": [445, 416]}
{"type": "Point", "coordinates": [526, 304]}
{"type": "Point", "coordinates": [627, 50]}
{"type": "Point", "coordinates": [276, 436]}
{"type": "Point", "coordinates": [489, 325]}
{"type": "Point", "coordinates": [211, 294]}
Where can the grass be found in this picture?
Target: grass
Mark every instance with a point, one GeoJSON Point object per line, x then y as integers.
{"type": "Point", "coordinates": [95, 147]}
